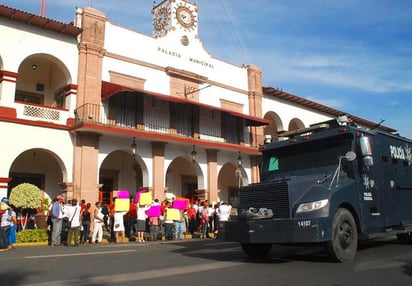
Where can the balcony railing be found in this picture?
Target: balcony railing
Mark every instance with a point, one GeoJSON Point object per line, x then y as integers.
{"type": "Point", "coordinates": [98, 114]}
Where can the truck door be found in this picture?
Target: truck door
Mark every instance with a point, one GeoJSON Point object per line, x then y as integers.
{"type": "Point", "coordinates": [371, 186]}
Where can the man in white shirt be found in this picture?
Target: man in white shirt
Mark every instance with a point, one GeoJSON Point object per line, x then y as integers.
{"type": "Point", "coordinates": [98, 220]}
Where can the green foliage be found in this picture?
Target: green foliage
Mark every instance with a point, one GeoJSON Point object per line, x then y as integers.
{"type": "Point", "coordinates": [45, 204]}
{"type": "Point", "coordinates": [32, 235]}
{"type": "Point", "coordinates": [26, 196]}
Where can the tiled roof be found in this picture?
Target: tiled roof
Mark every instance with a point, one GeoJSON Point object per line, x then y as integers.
{"type": "Point", "coordinates": [322, 108]}
{"type": "Point", "coordinates": [39, 21]}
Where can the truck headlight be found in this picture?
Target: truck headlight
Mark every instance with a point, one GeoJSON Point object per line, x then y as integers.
{"type": "Point", "coordinates": [312, 206]}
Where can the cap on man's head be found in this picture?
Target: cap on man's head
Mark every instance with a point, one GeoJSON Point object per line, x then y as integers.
{"type": "Point", "coordinates": [60, 198]}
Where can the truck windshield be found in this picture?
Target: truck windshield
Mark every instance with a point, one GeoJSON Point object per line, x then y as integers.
{"type": "Point", "coordinates": [305, 156]}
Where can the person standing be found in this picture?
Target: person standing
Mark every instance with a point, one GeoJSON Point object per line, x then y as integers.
{"type": "Point", "coordinates": [141, 222]}
{"type": "Point", "coordinates": [86, 221]}
{"type": "Point", "coordinates": [57, 220]}
{"type": "Point", "coordinates": [5, 222]}
{"type": "Point", "coordinates": [13, 222]}
{"type": "Point", "coordinates": [179, 226]}
{"type": "Point", "coordinates": [74, 220]}
{"type": "Point", "coordinates": [118, 227]}
{"type": "Point", "coordinates": [204, 220]}
{"type": "Point", "coordinates": [168, 223]}
{"type": "Point", "coordinates": [191, 214]}
{"type": "Point", "coordinates": [131, 221]}
{"type": "Point", "coordinates": [98, 221]}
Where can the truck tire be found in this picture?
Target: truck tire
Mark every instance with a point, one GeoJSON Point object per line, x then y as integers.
{"type": "Point", "coordinates": [344, 237]}
{"type": "Point", "coordinates": [404, 237]}
{"type": "Point", "coordinates": [256, 250]}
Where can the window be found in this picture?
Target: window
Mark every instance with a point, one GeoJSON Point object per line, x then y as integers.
{"type": "Point", "coordinates": [28, 97]}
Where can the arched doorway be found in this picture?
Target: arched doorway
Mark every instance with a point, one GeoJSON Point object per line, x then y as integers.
{"type": "Point", "coordinates": [182, 179]}
{"type": "Point", "coordinates": [39, 167]}
{"type": "Point", "coordinates": [274, 126]}
{"type": "Point", "coordinates": [231, 178]}
{"type": "Point", "coordinates": [295, 124]}
{"type": "Point", "coordinates": [120, 171]}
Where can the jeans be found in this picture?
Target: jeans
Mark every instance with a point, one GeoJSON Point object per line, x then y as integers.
{"type": "Point", "coordinates": [168, 231]}
{"type": "Point", "coordinates": [4, 236]}
{"type": "Point", "coordinates": [179, 230]}
{"type": "Point", "coordinates": [154, 232]}
{"type": "Point", "coordinates": [84, 236]}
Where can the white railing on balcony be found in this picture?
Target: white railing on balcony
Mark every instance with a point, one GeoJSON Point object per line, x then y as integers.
{"type": "Point", "coordinates": [41, 113]}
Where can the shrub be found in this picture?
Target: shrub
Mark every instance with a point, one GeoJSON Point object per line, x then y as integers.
{"type": "Point", "coordinates": [32, 235]}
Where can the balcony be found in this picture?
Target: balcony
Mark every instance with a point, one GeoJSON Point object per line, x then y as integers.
{"type": "Point", "coordinates": [180, 124]}
{"type": "Point", "coordinates": [30, 111]}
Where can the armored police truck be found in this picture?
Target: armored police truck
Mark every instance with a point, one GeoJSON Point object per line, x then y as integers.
{"type": "Point", "coordinates": [332, 183]}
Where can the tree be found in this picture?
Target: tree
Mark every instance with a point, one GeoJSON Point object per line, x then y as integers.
{"type": "Point", "coordinates": [26, 196]}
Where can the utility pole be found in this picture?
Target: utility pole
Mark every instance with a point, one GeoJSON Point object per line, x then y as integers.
{"type": "Point", "coordinates": [43, 8]}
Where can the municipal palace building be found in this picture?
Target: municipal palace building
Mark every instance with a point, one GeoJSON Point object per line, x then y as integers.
{"type": "Point", "coordinates": [82, 114]}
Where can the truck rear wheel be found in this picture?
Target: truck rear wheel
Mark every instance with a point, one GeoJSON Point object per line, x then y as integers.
{"type": "Point", "coordinates": [256, 250]}
{"type": "Point", "coordinates": [344, 237]}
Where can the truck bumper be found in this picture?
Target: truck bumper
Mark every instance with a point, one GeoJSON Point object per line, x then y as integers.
{"type": "Point", "coordinates": [280, 231]}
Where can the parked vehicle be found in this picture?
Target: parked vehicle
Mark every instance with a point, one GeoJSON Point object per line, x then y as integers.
{"type": "Point", "coordinates": [332, 183]}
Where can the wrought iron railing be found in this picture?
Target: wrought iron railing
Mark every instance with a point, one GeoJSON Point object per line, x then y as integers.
{"type": "Point", "coordinates": [99, 114]}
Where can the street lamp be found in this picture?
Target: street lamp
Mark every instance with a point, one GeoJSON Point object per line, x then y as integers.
{"type": "Point", "coordinates": [193, 154]}
{"type": "Point", "coordinates": [133, 146]}
{"type": "Point", "coordinates": [239, 160]}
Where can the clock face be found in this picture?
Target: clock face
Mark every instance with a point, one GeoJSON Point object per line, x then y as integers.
{"type": "Point", "coordinates": [185, 17]}
{"type": "Point", "coordinates": [161, 19]}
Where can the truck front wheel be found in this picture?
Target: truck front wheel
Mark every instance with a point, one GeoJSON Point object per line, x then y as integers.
{"type": "Point", "coordinates": [344, 237]}
{"type": "Point", "coordinates": [256, 250]}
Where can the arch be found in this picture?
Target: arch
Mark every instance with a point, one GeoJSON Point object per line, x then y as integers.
{"type": "Point", "coordinates": [121, 171]}
{"type": "Point", "coordinates": [40, 167]}
{"type": "Point", "coordinates": [184, 178]}
{"type": "Point", "coordinates": [274, 126]}
{"type": "Point", "coordinates": [295, 124]}
{"type": "Point", "coordinates": [42, 80]}
{"type": "Point", "coordinates": [230, 178]}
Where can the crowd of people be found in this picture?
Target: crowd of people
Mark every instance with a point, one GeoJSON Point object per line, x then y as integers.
{"type": "Point", "coordinates": [74, 223]}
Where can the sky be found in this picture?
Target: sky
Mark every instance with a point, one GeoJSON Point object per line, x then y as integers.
{"type": "Point", "coordinates": [352, 55]}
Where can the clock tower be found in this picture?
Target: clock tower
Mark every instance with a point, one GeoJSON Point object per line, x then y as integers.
{"type": "Point", "coordinates": [175, 16]}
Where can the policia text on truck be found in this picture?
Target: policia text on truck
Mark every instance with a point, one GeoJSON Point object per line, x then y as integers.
{"type": "Point", "coordinates": [332, 183]}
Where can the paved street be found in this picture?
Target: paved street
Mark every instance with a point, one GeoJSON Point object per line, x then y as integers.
{"type": "Point", "coordinates": [201, 262]}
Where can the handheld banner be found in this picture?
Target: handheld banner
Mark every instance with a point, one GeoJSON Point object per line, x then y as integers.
{"type": "Point", "coordinates": [180, 204]}
{"type": "Point", "coordinates": [124, 194]}
{"type": "Point", "coordinates": [154, 211]}
{"type": "Point", "coordinates": [145, 198]}
{"type": "Point", "coordinates": [137, 197]}
{"type": "Point", "coordinates": [173, 214]}
{"type": "Point", "coordinates": [121, 205]}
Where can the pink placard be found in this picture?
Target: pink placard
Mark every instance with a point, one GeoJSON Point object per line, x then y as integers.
{"type": "Point", "coordinates": [124, 194]}
{"type": "Point", "coordinates": [137, 197]}
{"type": "Point", "coordinates": [180, 204]}
{"type": "Point", "coordinates": [153, 211]}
